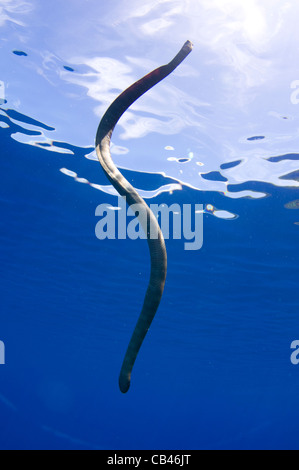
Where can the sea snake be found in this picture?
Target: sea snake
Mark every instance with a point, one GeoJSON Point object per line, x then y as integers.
{"type": "Point", "coordinates": [156, 244]}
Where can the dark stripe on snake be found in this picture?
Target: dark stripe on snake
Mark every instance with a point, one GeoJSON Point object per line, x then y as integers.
{"type": "Point", "coordinates": [125, 189]}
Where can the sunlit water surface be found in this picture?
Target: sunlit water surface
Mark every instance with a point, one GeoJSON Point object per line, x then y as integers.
{"type": "Point", "coordinates": [221, 131]}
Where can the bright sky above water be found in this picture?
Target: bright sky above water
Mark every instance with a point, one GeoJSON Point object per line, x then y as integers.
{"type": "Point", "coordinates": [236, 84]}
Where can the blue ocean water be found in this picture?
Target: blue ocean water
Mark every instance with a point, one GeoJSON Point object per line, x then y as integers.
{"type": "Point", "coordinates": [215, 369]}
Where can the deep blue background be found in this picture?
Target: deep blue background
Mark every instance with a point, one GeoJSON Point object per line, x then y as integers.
{"type": "Point", "coordinates": [214, 371]}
